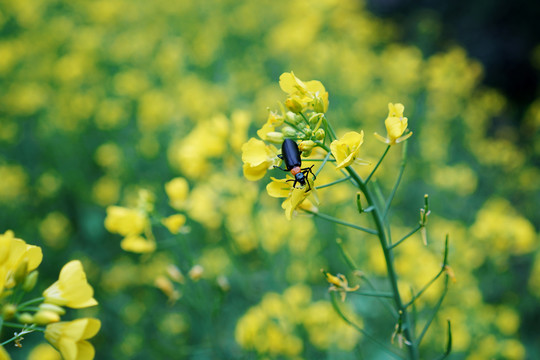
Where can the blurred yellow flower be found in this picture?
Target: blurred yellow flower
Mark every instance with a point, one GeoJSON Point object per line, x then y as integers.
{"type": "Point", "coordinates": [346, 149]}
{"type": "Point", "coordinates": [395, 124]}
{"type": "Point", "coordinates": [125, 221]}
{"type": "Point", "coordinates": [71, 289]}
{"type": "Point", "coordinates": [43, 352]}
{"type": "Point", "coordinates": [4, 354]}
{"type": "Point", "coordinates": [137, 244]}
{"type": "Point", "coordinates": [177, 190]}
{"type": "Point", "coordinates": [70, 338]}
{"type": "Point", "coordinates": [174, 223]}
{"type": "Point", "coordinates": [257, 158]}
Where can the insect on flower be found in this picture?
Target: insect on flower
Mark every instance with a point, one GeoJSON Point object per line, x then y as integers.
{"type": "Point", "coordinates": [293, 163]}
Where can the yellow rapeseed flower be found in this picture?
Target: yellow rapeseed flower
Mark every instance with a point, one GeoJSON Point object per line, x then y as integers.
{"type": "Point", "coordinates": [302, 94]}
{"type": "Point", "coordinates": [71, 289]}
{"type": "Point", "coordinates": [396, 125]}
{"type": "Point", "coordinates": [70, 338]}
{"type": "Point", "coordinates": [17, 259]}
{"type": "Point", "coordinates": [346, 149]}
{"type": "Point", "coordinates": [257, 158]}
{"type": "Point", "coordinates": [4, 354]}
{"type": "Point", "coordinates": [137, 244]}
{"type": "Point", "coordinates": [125, 221]}
{"type": "Point", "coordinates": [295, 197]}
{"type": "Point", "coordinates": [174, 223]}
{"type": "Point", "coordinates": [177, 190]}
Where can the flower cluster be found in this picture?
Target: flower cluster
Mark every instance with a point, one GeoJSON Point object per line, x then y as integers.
{"type": "Point", "coordinates": [302, 118]}
{"type": "Point", "coordinates": [18, 275]}
{"type": "Point", "coordinates": [134, 223]}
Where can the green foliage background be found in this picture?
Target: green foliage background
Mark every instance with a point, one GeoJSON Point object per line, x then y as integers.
{"type": "Point", "coordinates": [98, 99]}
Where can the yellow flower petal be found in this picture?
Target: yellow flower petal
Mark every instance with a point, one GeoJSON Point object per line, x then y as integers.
{"type": "Point", "coordinates": [125, 221]}
{"type": "Point", "coordinates": [177, 190]}
{"type": "Point", "coordinates": [278, 188]}
{"type": "Point", "coordinates": [174, 223]}
{"type": "Point", "coordinates": [71, 289]}
{"type": "Point", "coordinates": [346, 149]}
{"type": "Point", "coordinates": [69, 338]}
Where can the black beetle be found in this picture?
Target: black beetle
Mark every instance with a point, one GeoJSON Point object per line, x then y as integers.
{"type": "Point", "coordinates": [293, 163]}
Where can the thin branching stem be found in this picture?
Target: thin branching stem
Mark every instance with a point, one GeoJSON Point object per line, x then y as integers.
{"type": "Point", "coordinates": [434, 312]}
{"type": "Point", "coordinates": [396, 185]}
{"type": "Point", "coordinates": [377, 165]}
{"type": "Point", "coordinates": [341, 222]}
{"type": "Point", "coordinates": [359, 329]}
{"type": "Point", "coordinates": [333, 183]}
{"type": "Point", "coordinates": [413, 231]}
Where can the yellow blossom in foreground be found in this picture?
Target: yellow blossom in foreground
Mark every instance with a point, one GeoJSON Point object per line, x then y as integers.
{"type": "Point", "coordinates": [177, 190]}
{"type": "Point", "coordinates": [395, 124]}
{"type": "Point", "coordinates": [17, 259]}
{"type": "Point", "coordinates": [295, 197]}
{"type": "Point", "coordinates": [4, 354]}
{"type": "Point", "coordinates": [257, 158]}
{"type": "Point", "coordinates": [70, 338]}
{"type": "Point", "coordinates": [125, 221]}
{"type": "Point", "coordinates": [310, 93]}
{"type": "Point", "coordinates": [71, 289]}
{"type": "Point", "coordinates": [346, 149]}
{"type": "Point", "coordinates": [174, 223]}
{"type": "Point", "coordinates": [43, 352]}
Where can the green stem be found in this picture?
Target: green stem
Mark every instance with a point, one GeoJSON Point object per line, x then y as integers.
{"type": "Point", "coordinates": [324, 163]}
{"type": "Point", "coordinates": [389, 259]}
{"type": "Point", "coordinates": [318, 160]}
{"type": "Point", "coordinates": [401, 170]}
{"type": "Point", "coordinates": [341, 222]}
{"type": "Point", "coordinates": [333, 183]}
{"type": "Point", "coordinates": [413, 231]}
{"type": "Point", "coordinates": [377, 165]}
{"type": "Point", "coordinates": [358, 328]}
{"type": "Point", "coordinates": [31, 302]}
{"type": "Point", "coordinates": [373, 294]}
{"type": "Point", "coordinates": [434, 312]}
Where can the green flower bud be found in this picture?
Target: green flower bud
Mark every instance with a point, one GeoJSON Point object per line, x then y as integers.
{"type": "Point", "coordinates": [320, 134]}
{"type": "Point", "coordinates": [51, 307]}
{"type": "Point", "coordinates": [20, 272]}
{"type": "Point", "coordinates": [8, 311]}
{"type": "Point", "coordinates": [289, 132]}
{"type": "Point", "coordinates": [44, 317]}
{"type": "Point", "coordinates": [30, 281]}
{"type": "Point", "coordinates": [306, 146]}
{"type": "Point", "coordinates": [26, 318]}
{"type": "Point", "coordinates": [275, 137]}
{"type": "Point", "coordinates": [293, 105]}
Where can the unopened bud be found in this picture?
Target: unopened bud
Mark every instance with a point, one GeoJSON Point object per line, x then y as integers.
{"type": "Point", "coordinates": [196, 272]}
{"type": "Point", "coordinates": [26, 318]}
{"type": "Point", "coordinates": [320, 134]}
{"type": "Point", "coordinates": [51, 307]}
{"type": "Point", "coordinates": [21, 271]}
{"type": "Point", "coordinates": [293, 105]}
{"type": "Point", "coordinates": [8, 311]}
{"type": "Point", "coordinates": [293, 118]}
{"type": "Point", "coordinates": [289, 132]}
{"type": "Point", "coordinates": [223, 283]}
{"type": "Point", "coordinates": [175, 274]}
{"type": "Point", "coordinates": [275, 137]}
{"type": "Point", "coordinates": [307, 132]}
{"type": "Point", "coordinates": [306, 146]}
{"type": "Point", "coordinates": [30, 281]}
{"type": "Point", "coordinates": [44, 317]}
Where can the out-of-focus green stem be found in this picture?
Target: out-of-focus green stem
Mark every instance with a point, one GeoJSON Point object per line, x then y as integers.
{"type": "Point", "coordinates": [411, 233]}
{"type": "Point", "coordinates": [341, 222]}
{"type": "Point", "coordinates": [362, 331]}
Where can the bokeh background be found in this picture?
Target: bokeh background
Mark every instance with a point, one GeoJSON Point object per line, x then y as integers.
{"type": "Point", "coordinates": [99, 99]}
